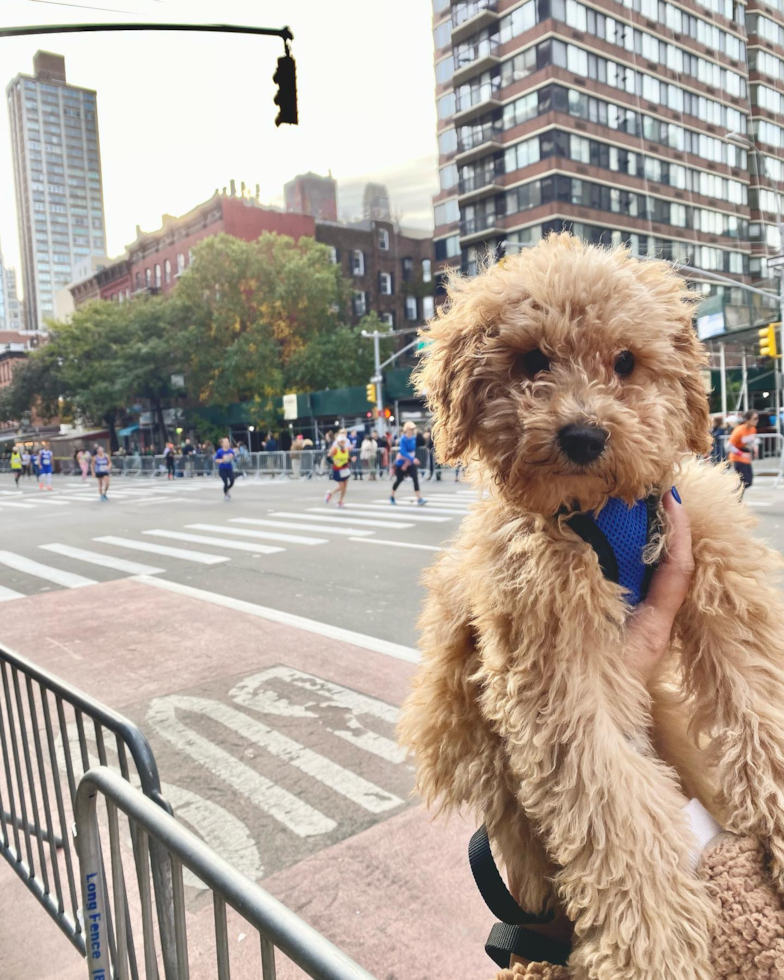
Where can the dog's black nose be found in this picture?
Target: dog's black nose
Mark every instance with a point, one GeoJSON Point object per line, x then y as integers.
{"type": "Point", "coordinates": [582, 443]}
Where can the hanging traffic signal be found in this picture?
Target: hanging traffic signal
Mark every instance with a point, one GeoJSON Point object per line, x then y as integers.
{"type": "Point", "coordinates": [387, 413]}
{"type": "Point", "coordinates": [767, 340]}
{"type": "Point", "coordinates": [285, 78]}
{"type": "Point", "coordinates": [370, 392]}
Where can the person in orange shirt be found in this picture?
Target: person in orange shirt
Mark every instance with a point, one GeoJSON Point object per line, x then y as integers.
{"type": "Point", "coordinates": [742, 447]}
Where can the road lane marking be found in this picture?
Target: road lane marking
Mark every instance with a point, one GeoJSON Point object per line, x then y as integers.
{"type": "Point", "coordinates": [251, 693]}
{"type": "Point", "coordinates": [376, 645]}
{"type": "Point", "coordinates": [158, 500]}
{"type": "Point", "coordinates": [199, 557]}
{"type": "Point", "coordinates": [319, 528]}
{"type": "Point", "coordinates": [106, 561]}
{"type": "Point", "coordinates": [7, 594]}
{"type": "Point", "coordinates": [267, 535]}
{"type": "Point", "coordinates": [437, 508]}
{"type": "Point", "coordinates": [9, 503]}
{"type": "Point", "coordinates": [299, 817]}
{"type": "Point", "coordinates": [258, 549]}
{"type": "Point", "coordinates": [326, 514]}
{"type": "Point", "coordinates": [373, 510]}
{"type": "Point", "coordinates": [51, 502]}
{"type": "Point", "coordinates": [396, 544]}
{"type": "Point", "coordinates": [68, 579]}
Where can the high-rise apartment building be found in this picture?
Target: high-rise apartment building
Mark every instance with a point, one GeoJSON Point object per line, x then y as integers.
{"type": "Point", "coordinates": [10, 305]}
{"type": "Point", "coordinates": [57, 173]}
{"type": "Point", "coordinates": [624, 122]}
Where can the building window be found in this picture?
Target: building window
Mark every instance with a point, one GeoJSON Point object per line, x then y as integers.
{"type": "Point", "coordinates": [383, 239]}
{"type": "Point", "coordinates": [334, 255]}
{"type": "Point", "coordinates": [428, 307]}
{"type": "Point", "coordinates": [389, 319]}
{"type": "Point", "coordinates": [408, 270]}
{"type": "Point", "coordinates": [167, 270]}
{"type": "Point", "coordinates": [147, 278]}
{"type": "Point", "coordinates": [180, 263]}
{"type": "Point", "coordinates": [411, 308]}
{"type": "Point", "coordinates": [138, 280]}
{"type": "Point", "coordinates": [359, 303]}
{"type": "Point", "coordinates": [427, 274]}
{"type": "Point", "coordinates": [357, 262]}
{"type": "Point", "coordinates": [190, 256]}
{"type": "Point", "coordinates": [157, 276]}
{"type": "Point", "coordinates": [385, 283]}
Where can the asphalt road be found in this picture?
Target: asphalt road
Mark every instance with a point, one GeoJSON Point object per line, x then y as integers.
{"type": "Point", "coordinates": [358, 569]}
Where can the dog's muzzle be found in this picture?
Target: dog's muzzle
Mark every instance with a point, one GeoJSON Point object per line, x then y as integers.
{"type": "Point", "coordinates": [582, 444]}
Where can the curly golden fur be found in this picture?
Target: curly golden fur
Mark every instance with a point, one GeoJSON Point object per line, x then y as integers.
{"type": "Point", "coordinates": [523, 710]}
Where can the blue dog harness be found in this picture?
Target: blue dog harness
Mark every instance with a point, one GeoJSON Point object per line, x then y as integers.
{"type": "Point", "coordinates": [619, 535]}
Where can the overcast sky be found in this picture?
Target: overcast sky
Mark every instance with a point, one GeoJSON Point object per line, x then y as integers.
{"type": "Point", "coordinates": [181, 114]}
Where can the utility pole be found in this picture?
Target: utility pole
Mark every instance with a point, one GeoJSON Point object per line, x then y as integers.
{"type": "Point", "coordinates": [378, 379]}
{"type": "Point", "coordinates": [723, 362]}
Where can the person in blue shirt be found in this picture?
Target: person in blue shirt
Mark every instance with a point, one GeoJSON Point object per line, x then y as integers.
{"type": "Point", "coordinates": [406, 463]}
{"type": "Point", "coordinates": [225, 460]}
{"type": "Point", "coordinates": [101, 467]}
{"type": "Point", "coordinates": [45, 456]}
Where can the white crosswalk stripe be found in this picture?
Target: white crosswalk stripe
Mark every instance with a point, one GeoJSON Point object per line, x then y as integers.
{"type": "Point", "coordinates": [333, 516]}
{"type": "Point", "coordinates": [371, 509]}
{"type": "Point", "coordinates": [267, 535]}
{"type": "Point", "coordinates": [105, 561]}
{"type": "Point", "coordinates": [70, 580]}
{"type": "Point", "coordinates": [432, 507]}
{"type": "Point", "coordinates": [397, 544]}
{"type": "Point", "coordinates": [319, 528]}
{"type": "Point", "coordinates": [7, 594]}
{"type": "Point", "coordinates": [149, 547]}
{"type": "Point", "coordinates": [259, 549]}
{"type": "Point", "coordinates": [14, 503]}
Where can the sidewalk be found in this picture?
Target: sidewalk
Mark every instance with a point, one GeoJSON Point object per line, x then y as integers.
{"type": "Point", "coordinates": [396, 895]}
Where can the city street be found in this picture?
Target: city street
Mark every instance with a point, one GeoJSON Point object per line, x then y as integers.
{"type": "Point", "coordinates": [263, 646]}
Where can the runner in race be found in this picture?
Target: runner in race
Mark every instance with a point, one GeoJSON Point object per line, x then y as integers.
{"type": "Point", "coordinates": [100, 468]}
{"type": "Point", "coordinates": [45, 467]}
{"type": "Point", "coordinates": [340, 457]}
{"type": "Point", "coordinates": [16, 464]}
{"type": "Point", "coordinates": [27, 463]}
{"type": "Point", "coordinates": [225, 457]}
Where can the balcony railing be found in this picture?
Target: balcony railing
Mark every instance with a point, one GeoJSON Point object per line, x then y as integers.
{"type": "Point", "coordinates": [478, 223]}
{"type": "Point", "coordinates": [463, 12]}
{"type": "Point", "coordinates": [471, 136]}
{"type": "Point", "coordinates": [474, 96]}
{"type": "Point", "coordinates": [467, 54]}
{"type": "Point", "coordinates": [477, 180]}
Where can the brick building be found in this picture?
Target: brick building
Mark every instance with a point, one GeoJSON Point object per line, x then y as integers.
{"type": "Point", "coordinates": [390, 269]}
{"type": "Point", "coordinates": [156, 259]}
{"type": "Point", "coordinates": [11, 356]}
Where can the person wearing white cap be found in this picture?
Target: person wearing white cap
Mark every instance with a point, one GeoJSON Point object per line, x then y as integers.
{"type": "Point", "coordinates": [340, 457]}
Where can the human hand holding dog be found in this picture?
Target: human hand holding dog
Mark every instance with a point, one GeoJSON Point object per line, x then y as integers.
{"type": "Point", "coordinates": [650, 626]}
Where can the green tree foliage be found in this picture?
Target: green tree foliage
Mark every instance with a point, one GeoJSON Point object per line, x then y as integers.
{"type": "Point", "coordinates": [247, 322]}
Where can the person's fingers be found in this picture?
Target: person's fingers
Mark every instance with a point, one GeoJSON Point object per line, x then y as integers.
{"type": "Point", "coordinates": [672, 578]}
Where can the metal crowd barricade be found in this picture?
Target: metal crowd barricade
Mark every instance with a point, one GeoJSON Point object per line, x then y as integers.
{"type": "Point", "coordinates": [40, 717]}
{"type": "Point", "coordinates": [277, 927]}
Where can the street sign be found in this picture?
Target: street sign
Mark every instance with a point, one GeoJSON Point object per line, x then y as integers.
{"type": "Point", "coordinates": [290, 406]}
{"type": "Point", "coordinates": [178, 381]}
{"type": "Point", "coordinates": [775, 261]}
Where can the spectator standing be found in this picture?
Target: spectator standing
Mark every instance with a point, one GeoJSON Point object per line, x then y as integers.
{"type": "Point", "coordinates": [271, 445]}
{"type": "Point", "coordinates": [27, 464]}
{"type": "Point", "coordinates": [296, 456]}
{"type": "Point", "coordinates": [84, 463]}
{"type": "Point", "coordinates": [406, 463]}
{"type": "Point", "coordinates": [743, 448]}
{"type": "Point", "coordinates": [431, 456]}
{"type": "Point", "coordinates": [367, 454]}
{"type": "Point", "coordinates": [187, 452]}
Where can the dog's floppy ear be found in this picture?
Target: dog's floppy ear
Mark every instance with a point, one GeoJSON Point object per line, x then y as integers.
{"type": "Point", "coordinates": [447, 378]}
{"type": "Point", "coordinates": [694, 359]}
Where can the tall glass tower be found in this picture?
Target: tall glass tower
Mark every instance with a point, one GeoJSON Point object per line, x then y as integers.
{"type": "Point", "coordinates": [57, 173]}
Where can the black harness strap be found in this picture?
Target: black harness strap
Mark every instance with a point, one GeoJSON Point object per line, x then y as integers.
{"type": "Point", "coordinates": [491, 885]}
{"type": "Point", "coordinates": [505, 940]}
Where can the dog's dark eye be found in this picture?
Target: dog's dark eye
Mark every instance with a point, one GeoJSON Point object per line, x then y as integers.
{"type": "Point", "coordinates": [624, 363]}
{"type": "Point", "coordinates": [533, 363]}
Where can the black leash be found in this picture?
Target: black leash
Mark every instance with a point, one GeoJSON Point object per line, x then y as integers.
{"type": "Point", "coordinates": [509, 936]}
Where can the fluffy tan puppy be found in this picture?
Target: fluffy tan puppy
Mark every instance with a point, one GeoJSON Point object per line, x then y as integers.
{"type": "Point", "coordinates": [562, 377]}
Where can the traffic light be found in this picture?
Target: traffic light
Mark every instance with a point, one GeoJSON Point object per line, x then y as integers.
{"type": "Point", "coordinates": [285, 78]}
{"type": "Point", "coordinates": [387, 413]}
{"type": "Point", "coordinates": [767, 340]}
{"type": "Point", "coordinates": [370, 392]}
